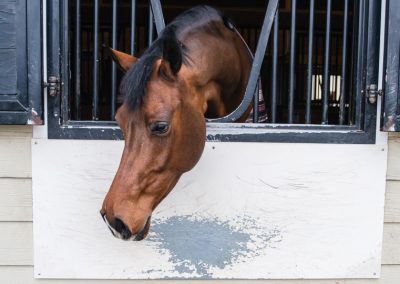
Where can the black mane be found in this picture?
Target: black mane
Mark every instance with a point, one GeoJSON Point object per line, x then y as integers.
{"type": "Point", "coordinates": [133, 85]}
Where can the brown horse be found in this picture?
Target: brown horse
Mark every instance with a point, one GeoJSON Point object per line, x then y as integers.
{"type": "Point", "coordinates": [198, 67]}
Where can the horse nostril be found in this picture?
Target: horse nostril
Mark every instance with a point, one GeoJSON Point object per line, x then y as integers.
{"type": "Point", "coordinates": [121, 228]}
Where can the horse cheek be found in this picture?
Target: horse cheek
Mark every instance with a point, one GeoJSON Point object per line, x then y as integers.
{"type": "Point", "coordinates": [193, 138]}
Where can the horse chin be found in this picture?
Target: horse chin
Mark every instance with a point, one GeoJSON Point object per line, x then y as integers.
{"type": "Point", "coordinates": [144, 232]}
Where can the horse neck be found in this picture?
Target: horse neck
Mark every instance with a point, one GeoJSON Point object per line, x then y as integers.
{"type": "Point", "coordinates": [220, 70]}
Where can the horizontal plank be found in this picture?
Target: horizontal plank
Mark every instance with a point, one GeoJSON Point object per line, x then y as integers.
{"type": "Point", "coordinates": [392, 202]}
{"type": "Point", "coordinates": [391, 244]}
{"type": "Point", "coordinates": [16, 243]}
{"type": "Point", "coordinates": [393, 171]}
{"type": "Point", "coordinates": [15, 157]}
{"type": "Point", "coordinates": [24, 275]}
{"type": "Point", "coordinates": [22, 131]}
{"type": "Point", "coordinates": [15, 199]}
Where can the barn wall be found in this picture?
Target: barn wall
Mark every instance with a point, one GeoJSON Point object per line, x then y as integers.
{"type": "Point", "coordinates": [16, 241]}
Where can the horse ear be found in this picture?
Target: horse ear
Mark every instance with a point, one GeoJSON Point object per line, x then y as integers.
{"type": "Point", "coordinates": [125, 61]}
{"type": "Point", "coordinates": [172, 55]}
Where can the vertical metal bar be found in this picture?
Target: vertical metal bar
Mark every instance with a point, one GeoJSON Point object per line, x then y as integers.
{"type": "Point", "coordinates": [274, 90]}
{"type": "Point", "coordinates": [292, 61]}
{"type": "Point", "coordinates": [95, 97]}
{"type": "Point", "coordinates": [325, 91]}
{"type": "Point", "coordinates": [284, 71]}
{"type": "Point", "coordinates": [310, 61]}
{"type": "Point", "coordinates": [65, 64]}
{"type": "Point", "coordinates": [336, 66]}
{"type": "Point", "coordinates": [359, 63]}
{"type": "Point", "coordinates": [301, 66]}
{"type": "Point", "coordinates": [151, 26]}
{"type": "Point", "coordinates": [114, 65]}
{"type": "Point", "coordinates": [343, 82]}
{"type": "Point", "coordinates": [255, 106]}
{"type": "Point", "coordinates": [158, 15]}
{"type": "Point", "coordinates": [77, 59]}
{"type": "Point", "coordinates": [133, 27]}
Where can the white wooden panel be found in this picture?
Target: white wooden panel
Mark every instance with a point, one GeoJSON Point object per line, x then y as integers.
{"type": "Point", "coordinates": [15, 199]}
{"type": "Point", "coordinates": [16, 243]}
{"type": "Point", "coordinates": [394, 157]}
{"type": "Point", "coordinates": [282, 211]}
{"type": "Point", "coordinates": [24, 275]}
{"type": "Point", "coordinates": [391, 239]}
{"type": "Point", "coordinates": [15, 157]}
{"type": "Point", "coordinates": [392, 202]}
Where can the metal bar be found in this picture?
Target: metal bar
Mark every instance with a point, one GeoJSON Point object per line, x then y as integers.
{"type": "Point", "coordinates": [336, 65]}
{"type": "Point", "coordinates": [325, 91]}
{"type": "Point", "coordinates": [284, 73]}
{"type": "Point", "coordinates": [292, 62]}
{"type": "Point", "coordinates": [255, 107]}
{"type": "Point", "coordinates": [77, 59]}
{"type": "Point", "coordinates": [255, 70]}
{"type": "Point", "coordinates": [342, 110]}
{"type": "Point", "coordinates": [359, 64]}
{"type": "Point", "coordinates": [65, 65]}
{"type": "Point", "coordinates": [158, 15]}
{"type": "Point", "coordinates": [114, 65]}
{"type": "Point", "coordinates": [96, 63]}
{"type": "Point", "coordinates": [133, 27]}
{"type": "Point", "coordinates": [274, 90]}
{"type": "Point", "coordinates": [310, 61]}
{"type": "Point", "coordinates": [151, 27]}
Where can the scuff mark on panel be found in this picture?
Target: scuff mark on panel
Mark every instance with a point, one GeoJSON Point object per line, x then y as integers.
{"type": "Point", "coordinates": [34, 118]}
{"type": "Point", "coordinates": [199, 246]}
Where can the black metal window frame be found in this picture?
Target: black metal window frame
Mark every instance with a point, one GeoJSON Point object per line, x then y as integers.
{"type": "Point", "coordinates": [362, 132]}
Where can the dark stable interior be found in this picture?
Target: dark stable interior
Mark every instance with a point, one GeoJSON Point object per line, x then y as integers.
{"type": "Point", "coordinates": [248, 17]}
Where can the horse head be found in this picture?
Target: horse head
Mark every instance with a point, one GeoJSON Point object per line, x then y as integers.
{"type": "Point", "coordinates": [162, 120]}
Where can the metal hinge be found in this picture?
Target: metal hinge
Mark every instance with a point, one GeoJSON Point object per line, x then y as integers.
{"type": "Point", "coordinates": [53, 86]}
{"type": "Point", "coordinates": [373, 92]}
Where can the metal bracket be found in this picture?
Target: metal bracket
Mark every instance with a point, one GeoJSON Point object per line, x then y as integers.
{"type": "Point", "coordinates": [372, 93]}
{"type": "Point", "coordinates": [53, 86]}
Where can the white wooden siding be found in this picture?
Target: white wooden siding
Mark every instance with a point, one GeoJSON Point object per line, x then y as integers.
{"type": "Point", "coordinates": [15, 199]}
{"type": "Point", "coordinates": [393, 172]}
{"type": "Point", "coordinates": [15, 152]}
{"type": "Point", "coordinates": [15, 271]}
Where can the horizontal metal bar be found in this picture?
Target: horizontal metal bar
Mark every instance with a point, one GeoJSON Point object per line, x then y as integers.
{"type": "Point", "coordinates": [221, 132]}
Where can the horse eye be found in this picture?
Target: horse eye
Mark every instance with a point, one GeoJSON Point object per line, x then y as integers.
{"type": "Point", "coordinates": [159, 127]}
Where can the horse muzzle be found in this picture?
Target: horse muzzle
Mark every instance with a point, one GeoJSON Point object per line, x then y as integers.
{"type": "Point", "coordinates": [122, 231]}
